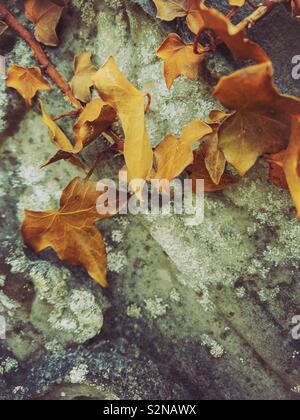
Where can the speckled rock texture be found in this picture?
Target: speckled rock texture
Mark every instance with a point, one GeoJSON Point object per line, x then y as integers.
{"type": "Point", "coordinates": [194, 311]}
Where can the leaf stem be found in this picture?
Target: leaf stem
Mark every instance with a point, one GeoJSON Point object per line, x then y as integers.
{"type": "Point", "coordinates": [44, 61]}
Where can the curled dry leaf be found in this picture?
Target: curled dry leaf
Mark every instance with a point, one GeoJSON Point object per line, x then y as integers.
{"type": "Point", "coordinates": [128, 102]}
{"type": "Point", "coordinates": [179, 59]}
{"type": "Point", "coordinates": [173, 155]}
{"type": "Point", "coordinates": [71, 231]}
{"type": "Point", "coordinates": [66, 149]}
{"type": "Point", "coordinates": [45, 14]}
{"type": "Point", "coordinates": [171, 9]}
{"type": "Point", "coordinates": [96, 117]}
{"type": "Point", "coordinates": [234, 37]}
{"type": "Point", "coordinates": [84, 71]}
{"type": "Point", "coordinates": [199, 171]}
{"type": "Point", "coordinates": [27, 81]}
{"type": "Point", "coordinates": [214, 158]}
{"type": "Point", "coordinates": [261, 122]}
{"type": "Point", "coordinates": [289, 161]}
{"type": "Point", "coordinates": [57, 135]}
{"type": "Point", "coordinates": [3, 27]}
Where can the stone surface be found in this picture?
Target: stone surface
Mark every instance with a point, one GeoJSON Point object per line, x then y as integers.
{"type": "Point", "coordinates": [199, 311]}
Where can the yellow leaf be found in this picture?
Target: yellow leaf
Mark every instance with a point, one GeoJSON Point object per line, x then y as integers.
{"type": "Point", "coordinates": [71, 231]}
{"type": "Point", "coordinates": [27, 81]}
{"type": "Point", "coordinates": [171, 9]}
{"type": "Point", "coordinates": [57, 135]}
{"type": "Point", "coordinates": [179, 58]}
{"type": "Point", "coordinates": [173, 155]}
{"type": "Point", "coordinates": [237, 3]}
{"type": "Point", "coordinates": [128, 102]}
{"type": "Point", "coordinates": [262, 121]}
{"type": "Point", "coordinates": [46, 15]}
{"type": "Point", "coordinates": [84, 70]}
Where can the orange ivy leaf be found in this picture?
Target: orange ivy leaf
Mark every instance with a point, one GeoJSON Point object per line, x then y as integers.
{"type": "Point", "coordinates": [199, 171]}
{"type": "Point", "coordinates": [45, 14]}
{"type": "Point", "coordinates": [71, 231]}
{"type": "Point", "coordinates": [27, 81]}
{"type": "Point", "coordinates": [262, 119]}
{"type": "Point", "coordinates": [129, 104]}
{"type": "Point", "coordinates": [171, 9]}
{"type": "Point", "coordinates": [289, 161]}
{"type": "Point", "coordinates": [179, 59]}
{"type": "Point", "coordinates": [173, 155]}
{"type": "Point", "coordinates": [234, 37]}
{"type": "Point", "coordinates": [84, 71]}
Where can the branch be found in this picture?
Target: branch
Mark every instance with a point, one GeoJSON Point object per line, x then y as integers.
{"type": "Point", "coordinates": [261, 11]}
{"type": "Point", "coordinates": [46, 65]}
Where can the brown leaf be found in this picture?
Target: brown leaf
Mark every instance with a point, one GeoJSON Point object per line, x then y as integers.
{"type": "Point", "coordinates": [262, 121]}
{"type": "Point", "coordinates": [214, 158]}
{"type": "Point", "coordinates": [235, 38]}
{"type": "Point", "coordinates": [128, 102]}
{"type": "Point", "coordinates": [71, 231]}
{"type": "Point", "coordinates": [96, 117]}
{"type": "Point", "coordinates": [276, 172]}
{"type": "Point", "coordinates": [171, 9]}
{"type": "Point", "coordinates": [27, 81]}
{"type": "Point", "coordinates": [84, 71]}
{"type": "Point", "coordinates": [61, 155]}
{"type": "Point", "coordinates": [289, 161]}
{"type": "Point", "coordinates": [198, 171]}
{"type": "Point", "coordinates": [46, 15]}
{"type": "Point", "coordinates": [173, 155]}
{"type": "Point", "coordinates": [179, 58]}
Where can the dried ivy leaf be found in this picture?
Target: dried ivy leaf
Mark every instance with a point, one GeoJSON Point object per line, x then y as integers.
{"type": "Point", "coordinates": [237, 3]}
{"type": "Point", "coordinates": [128, 102]}
{"type": "Point", "coordinates": [214, 158]}
{"type": "Point", "coordinates": [173, 155]}
{"type": "Point", "coordinates": [71, 231]}
{"type": "Point", "coordinates": [276, 172]}
{"type": "Point", "coordinates": [3, 27]}
{"type": "Point", "coordinates": [289, 161]}
{"type": "Point", "coordinates": [199, 171]}
{"type": "Point", "coordinates": [27, 81]}
{"type": "Point", "coordinates": [61, 155]}
{"type": "Point", "coordinates": [171, 9]}
{"type": "Point", "coordinates": [234, 37]}
{"type": "Point", "coordinates": [84, 71]}
{"type": "Point", "coordinates": [179, 59]}
{"type": "Point", "coordinates": [58, 137]}
{"type": "Point", "coordinates": [96, 117]}
{"type": "Point", "coordinates": [45, 14]}
{"type": "Point", "coordinates": [262, 119]}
